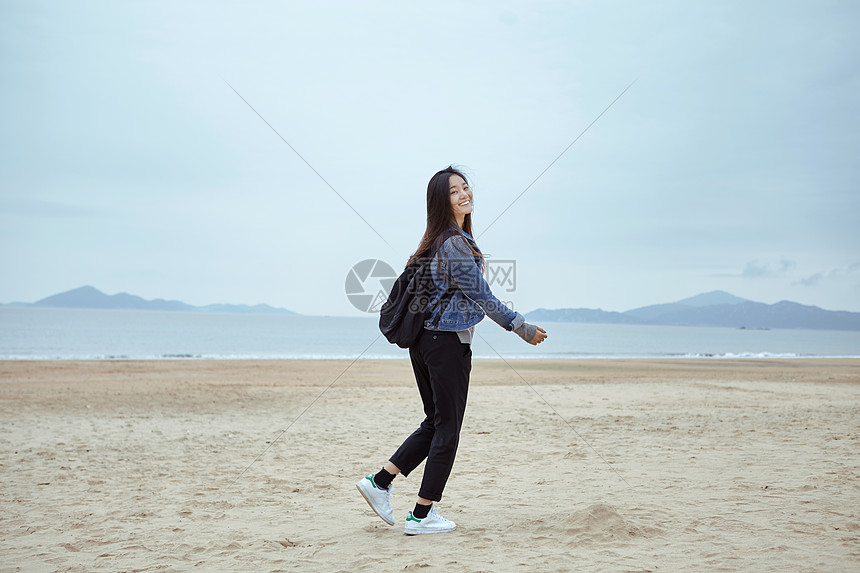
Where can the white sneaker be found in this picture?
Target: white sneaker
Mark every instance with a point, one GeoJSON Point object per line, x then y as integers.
{"type": "Point", "coordinates": [377, 498]}
{"type": "Point", "coordinates": [433, 523]}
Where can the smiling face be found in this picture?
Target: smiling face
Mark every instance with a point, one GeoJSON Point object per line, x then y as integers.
{"type": "Point", "coordinates": [461, 198]}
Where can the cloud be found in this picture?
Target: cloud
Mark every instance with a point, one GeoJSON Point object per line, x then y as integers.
{"type": "Point", "coordinates": [811, 280]}
{"type": "Point", "coordinates": [755, 269]}
{"type": "Point", "coordinates": [832, 274]}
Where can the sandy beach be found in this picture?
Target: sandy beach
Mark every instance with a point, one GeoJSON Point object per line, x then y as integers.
{"type": "Point", "coordinates": [604, 465]}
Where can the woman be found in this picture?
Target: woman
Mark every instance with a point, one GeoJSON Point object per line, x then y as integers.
{"type": "Point", "coordinates": [442, 356]}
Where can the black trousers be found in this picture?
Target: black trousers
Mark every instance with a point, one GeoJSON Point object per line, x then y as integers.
{"type": "Point", "coordinates": [442, 365]}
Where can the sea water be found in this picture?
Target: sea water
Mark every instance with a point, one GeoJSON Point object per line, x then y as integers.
{"type": "Point", "coordinates": [83, 334]}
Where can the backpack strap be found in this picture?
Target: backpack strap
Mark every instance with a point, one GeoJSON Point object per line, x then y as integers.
{"type": "Point", "coordinates": [449, 293]}
{"type": "Point", "coordinates": [446, 296]}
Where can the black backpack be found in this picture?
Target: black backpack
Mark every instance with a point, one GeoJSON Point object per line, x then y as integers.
{"type": "Point", "coordinates": [402, 317]}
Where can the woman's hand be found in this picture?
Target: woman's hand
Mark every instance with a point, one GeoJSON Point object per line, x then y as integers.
{"type": "Point", "coordinates": [525, 329]}
{"type": "Point", "coordinates": [540, 336]}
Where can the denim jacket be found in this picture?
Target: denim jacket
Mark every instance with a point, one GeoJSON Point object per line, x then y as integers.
{"type": "Point", "coordinates": [472, 299]}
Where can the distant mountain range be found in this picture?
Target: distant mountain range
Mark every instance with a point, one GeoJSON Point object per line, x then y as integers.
{"type": "Point", "coordinates": [715, 308]}
{"type": "Point", "coordinates": [91, 297]}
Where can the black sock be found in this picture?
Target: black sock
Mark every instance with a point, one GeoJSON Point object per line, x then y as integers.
{"type": "Point", "coordinates": [382, 478]}
{"type": "Point", "coordinates": [421, 511]}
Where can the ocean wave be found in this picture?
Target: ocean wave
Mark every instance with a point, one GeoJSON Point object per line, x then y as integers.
{"type": "Point", "coordinates": [404, 355]}
{"type": "Point", "coordinates": [748, 355]}
{"type": "Point", "coordinates": [181, 357]}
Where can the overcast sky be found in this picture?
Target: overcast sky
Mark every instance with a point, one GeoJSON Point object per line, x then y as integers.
{"type": "Point", "coordinates": [128, 163]}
